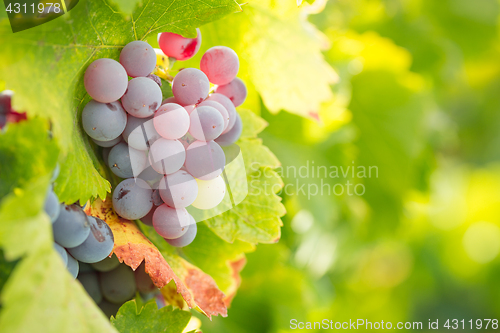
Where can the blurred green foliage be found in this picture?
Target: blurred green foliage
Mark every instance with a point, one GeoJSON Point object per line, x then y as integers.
{"type": "Point", "coordinates": [417, 97]}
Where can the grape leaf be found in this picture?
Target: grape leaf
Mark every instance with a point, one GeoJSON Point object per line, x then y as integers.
{"type": "Point", "coordinates": [281, 60]}
{"type": "Point", "coordinates": [149, 319]}
{"type": "Point", "coordinates": [54, 55]}
{"type": "Point", "coordinates": [197, 288]}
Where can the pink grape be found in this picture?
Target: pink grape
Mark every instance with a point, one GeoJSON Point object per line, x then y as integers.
{"type": "Point", "coordinates": [142, 98]}
{"type": "Point", "coordinates": [179, 189]}
{"type": "Point", "coordinates": [105, 80]}
{"type": "Point", "coordinates": [171, 121]}
{"type": "Point", "coordinates": [140, 133]}
{"type": "Point", "coordinates": [222, 110]}
{"type": "Point", "coordinates": [235, 90]}
{"type": "Point", "coordinates": [178, 47]}
{"type": "Point", "coordinates": [206, 123]}
{"type": "Point", "coordinates": [187, 238]}
{"type": "Point", "coordinates": [205, 160]}
{"type": "Point", "coordinates": [233, 135]}
{"type": "Point", "coordinates": [228, 105]}
{"type": "Point", "coordinates": [190, 86]}
{"type": "Point", "coordinates": [138, 58]}
{"type": "Point", "coordinates": [171, 99]}
{"type": "Point", "coordinates": [221, 64]}
{"type": "Point", "coordinates": [169, 222]}
{"type": "Point", "coordinates": [167, 156]}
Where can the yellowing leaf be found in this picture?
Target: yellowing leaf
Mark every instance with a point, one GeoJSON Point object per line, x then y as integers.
{"type": "Point", "coordinates": [197, 288]}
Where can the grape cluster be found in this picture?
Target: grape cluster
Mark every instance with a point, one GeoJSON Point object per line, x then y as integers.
{"type": "Point", "coordinates": [168, 151]}
{"type": "Point", "coordinates": [77, 237]}
{"type": "Point", "coordinates": [110, 284]}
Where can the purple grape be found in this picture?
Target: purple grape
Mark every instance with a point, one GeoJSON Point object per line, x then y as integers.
{"type": "Point", "coordinates": [171, 99]}
{"type": "Point", "coordinates": [169, 222]}
{"type": "Point", "coordinates": [71, 227]}
{"type": "Point", "coordinates": [233, 135]}
{"type": "Point", "coordinates": [155, 78]}
{"type": "Point", "coordinates": [220, 64]}
{"type": "Point", "coordinates": [167, 156]}
{"type": "Point", "coordinates": [235, 90]}
{"type": "Point", "coordinates": [142, 98]}
{"type": "Point", "coordinates": [179, 189]}
{"type": "Point", "coordinates": [206, 123]}
{"type": "Point", "coordinates": [132, 198]}
{"type": "Point", "coordinates": [105, 154]}
{"type": "Point", "coordinates": [107, 144]}
{"type": "Point", "coordinates": [90, 281]}
{"type": "Point", "coordinates": [118, 285]}
{"type": "Point", "coordinates": [138, 58]}
{"type": "Point", "coordinates": [190, 86]}
{"type": "Point", "coordinates": [157, 200]}
{"type": "Point", "coordinates": [105, 80]}
{"type": "Point", "coordinates": [72, 266]}
{"type": "Point", "coordinates": [98, 244]}
{"type": "Point", "coordinates": [125, 161]}
{"type": "Point", "coordinates": [62, 253]}
{"type": "Point", "coordinates": [205, 160]}
{"type": "Point", "coordinates": [150, 176]}
{"type": "Point", "coordinates": [148, 218]}
{"type": "Point", "coordinates": [187, 238]}
{"type": "Point", "coordinates": [103, 122]}
{"type": "Point", "coordinates": [218, 107]}
{"type": "Point", "coordinates": [171, 121]}
{"type": "Point", "coordinates": [51, 206]}
{"type": "Point", "coordinates": [178, 47]}
{"type": "Point", "coordinates": [140, 133]}
{"type": "Point", "coordinates": [228, 105]}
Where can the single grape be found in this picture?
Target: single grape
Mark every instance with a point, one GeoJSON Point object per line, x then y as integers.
{"type": "Point", "coordinates": [187, 238]}
{"type": "Point", "coordinates": [118, 285]}
{"type": "Point", "coordinates": [142, 98]}
{"type": "Point", "coordinates": [190, 86]}
{"type": "Point", "coordinates": [132, 199]}
{"type": "Point", "coordinates": [138, 58]}
{"type": "Point", "coordinates": [98, 244]}
{"type": "Point", "coordinates": [178, 47]}
{"type": "Point", "coordinates": [72, 266]}
{"type": "Point", "coordinates": [107, 144]}
{"type": "Point", "coordinates": [179, 189]}
{"type": "Point", "coordinates": [148, 218]}
{"type": "Point", "coordinates": [170, 222]}
{"type": "Point", "coordinates": [143, 281]}
{"type": "Point", "coordinates": [221, 64]}
{"type": "Point", "coordinates": [90, 281]}
{"type": "Point", "coordinates": [106, 264]}
{"type": "Point", "coordinates": [71, 227]}
{"type": "Point", "coordinates": [222, 110]}
{"type": "Point", "coordinates": [155, 78]}
{"type": "Point", "coordinates": [103, 122]}
{"type": "Point", "coordinates": [206, 123]}
{"type": "Point", "coordinates": [235, 90]}
{"type": "Point", "coordinates": [233, 135]}
{"type": "Point", "coordinates": [157, 200]}
{"type": "Point", "coordinates": [140, 133]}
{"type": "Point", "coordinates": [171, 121]}
{"type": "Point", "coordinates": [125, 161]}
{"type": "Point", "coordinates": [105, 80]}
{"type": "Point", "coordinates": [205, 160]}
{"type": "Point", "coordinates": [226, 103]}
{"type": "Point", "coordinates": [210, 193]}
{"type": "Point", "coordinates": [84, 268]}
{"type": "Point", "coordinates": [109, 309]}
{"type": "Point", "coordinates": [167, 156]}
{"type": "Point", "coordinates": [62, 253]}
{"type": "Point", "coordinates": [51, 206]}
{"type": "Point", "coordinates": [171, 99]}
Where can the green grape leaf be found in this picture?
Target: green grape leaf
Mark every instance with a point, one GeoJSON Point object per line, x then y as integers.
{"type": "Point", "coordinates": [149, 319]}
{"type": "Point", "coordinates": [44, 65]}
{"type": "Point", "coordinates": [281, 60]}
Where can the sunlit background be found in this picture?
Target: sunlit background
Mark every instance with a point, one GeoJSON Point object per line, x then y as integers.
{"type": "Point", "coordinates": [415, 93]}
